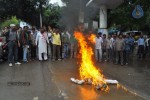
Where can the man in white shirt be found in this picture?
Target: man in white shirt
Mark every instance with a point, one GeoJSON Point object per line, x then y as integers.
{"type": "Point", "coordinates": [98, 47]}
{"type": "Point", "coordinates": [109, 46]}
{"type": "Point", "coordinates": [147, 46]}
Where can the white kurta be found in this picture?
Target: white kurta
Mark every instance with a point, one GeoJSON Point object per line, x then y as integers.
{"type": "Point", "coordinates": [41, 41]}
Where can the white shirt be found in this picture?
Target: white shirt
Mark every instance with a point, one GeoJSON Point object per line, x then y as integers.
{"type": "Point", "coordinates": [146, 42]}
{"type": "Point", "coordinates": [68, 34]}
{"type": "Point", "coordinates": [98, 44]}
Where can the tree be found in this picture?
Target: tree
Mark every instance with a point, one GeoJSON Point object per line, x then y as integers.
{"type": "Point", "coordinates": [27, 10]}
{"type": "Point", "coordinates": [51, 15]}
{"type": "Point", "coordinates": [122, 16]}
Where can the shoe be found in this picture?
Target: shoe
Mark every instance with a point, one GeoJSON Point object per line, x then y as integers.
{"type": "Point", "coordinates": [24, 62]}
{"type": "Point", "coordinates": [59, 59]}
{"type": "Point", "coordinates": [45, 59]}
{"type": "Point", "coordinates": [10, 65]}
{"type": "Point", "coordinates": [18, 63]}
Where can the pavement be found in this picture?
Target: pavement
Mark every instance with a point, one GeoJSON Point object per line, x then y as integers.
{"type": "Point", "coordinates": [51, 81]}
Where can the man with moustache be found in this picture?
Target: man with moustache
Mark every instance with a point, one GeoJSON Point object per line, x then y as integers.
{"type": "Point", "coordinates": [13, 44]}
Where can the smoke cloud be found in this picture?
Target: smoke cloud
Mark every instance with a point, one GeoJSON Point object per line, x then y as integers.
{"type": "Point", "coordinates": [75, 8]}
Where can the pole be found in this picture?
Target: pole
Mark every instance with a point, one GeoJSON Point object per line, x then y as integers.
{"type": "Point", "coordinates": [89, 3]}
{"type": "Point", "coordinates": [40, 20]}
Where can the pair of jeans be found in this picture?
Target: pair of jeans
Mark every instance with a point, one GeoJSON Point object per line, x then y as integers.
{"type": "Point", "coordinates": [25, 50]}
{"type": "Point", "coordinates": [66, 49]}
{"type": "Point", "coordinates": [12, 51]}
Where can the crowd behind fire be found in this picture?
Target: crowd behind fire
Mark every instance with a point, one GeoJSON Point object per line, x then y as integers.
{"type": "Point", "coordinates": [26, 45]}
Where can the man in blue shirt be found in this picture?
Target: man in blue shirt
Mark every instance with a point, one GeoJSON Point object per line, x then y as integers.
{"type": "Point", "coordinates": [141, 47]}
{"type": "Point", "coordinates": [132, 43]}
{"type": "Point", "coordinates": [127, 48]}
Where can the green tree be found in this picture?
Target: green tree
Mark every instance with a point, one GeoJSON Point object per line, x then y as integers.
{"type": "Point", "coordinates": [27, 10]}
{"type": "Point", "coordinates": [51, 15]}
{"type": "Point", "coordinates": [122, 16]}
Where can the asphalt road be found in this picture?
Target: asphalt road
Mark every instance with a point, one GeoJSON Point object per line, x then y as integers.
{"type": "Point", "coordinates": [51, 81]}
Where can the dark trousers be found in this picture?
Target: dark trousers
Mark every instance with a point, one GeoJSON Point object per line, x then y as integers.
{"type": "Point", "coordinates": [104, 54]}
{"type": "Point", "coordinates": [119, 57]}
{"type": "Point", "coordinates": [51, 48]}
{"type": "Point", "coordinates": [109, 54]}
{"type": "Point", "coordinates": [147, 51]}
{"type": "Point", "coordinates": [126, 56]}
{"type": "Point", "coordinates": [56, 51]}
{"type": "Point", "coordinates": [33, 51]}
{"type": "Point", "coordinates": [20, 53]}
{"type": "Point", "coordinates": [12, 51]}
{"type": "Point", "coordinates": [141, 51]}
{"type": "Point", "coordinates": [114, 55]}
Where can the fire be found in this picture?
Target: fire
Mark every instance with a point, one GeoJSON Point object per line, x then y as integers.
{"type": "Point", "coordinates": [92, 38]}
{"type": "Point", "coordinates": [87, 69]}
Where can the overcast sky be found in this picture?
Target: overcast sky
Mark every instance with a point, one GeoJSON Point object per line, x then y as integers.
{"type": "Point", "coordinates": [56, 1]}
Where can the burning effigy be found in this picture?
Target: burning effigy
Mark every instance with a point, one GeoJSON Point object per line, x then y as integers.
{"type": "Point", "coordinates": [89, 73]}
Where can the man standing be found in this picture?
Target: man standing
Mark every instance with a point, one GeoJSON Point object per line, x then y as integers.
{"type": "Point", "coordinates": [65, 42]}
{"type": "Point", "coordinates": [104, 47]}
{"type": "Point", "coordinates": [13, 44]}
{"type": "Point", "coordinates": [109, 45]}
{"type": "Point", "coordinates": [33, 45]}
{"type": "Point", "coordinates": [119, 50]}
{"type": "Point", "coordinates": [113, 41]}
{"type": "Point", "coordinates": [147, 46]}
{"type": "Point", "coordinates": [56, 45]}
{"type": "Point", "coordinates": [141, 45]}
{"type": "Point", "coordinates": [74, 46]}
{"type": "Point", "coordinates": [41, 42]}
{"type": "Point", "coordinates": [128, 44]}
{"type": "Point", "coordinates": [98, 48]}
{"type": "Point", "coordinates": [20, 49]}
{"type": "Point", "coordinates": [24, 42]}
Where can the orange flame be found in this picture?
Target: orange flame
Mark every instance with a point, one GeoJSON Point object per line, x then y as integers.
{"type": "Point", "coordinates": [92, 38]}
{"type": "Point", "coordinates": [87, 68]}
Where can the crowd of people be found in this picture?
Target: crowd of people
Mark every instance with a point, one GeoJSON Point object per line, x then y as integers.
{"type": "Point", "coordinates": [120, 48]}
{"type": "Point", "coordinates": [27, 44]}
